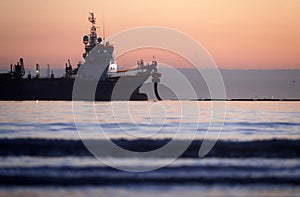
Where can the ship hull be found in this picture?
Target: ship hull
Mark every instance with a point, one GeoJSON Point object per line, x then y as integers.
{"type": "Point", "coordinates": [62, 89]}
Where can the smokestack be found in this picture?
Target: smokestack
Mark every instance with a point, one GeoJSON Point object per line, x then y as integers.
{"type": "Point", "coordinates": [37, 71]}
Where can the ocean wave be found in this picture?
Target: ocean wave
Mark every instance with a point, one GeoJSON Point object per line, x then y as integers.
{"type": "Point", "coordinates": [275, 148]}
{"type": "Point", "coordinates": [93, 175]}
{"type": "Point", "coordinates": [23, 180]}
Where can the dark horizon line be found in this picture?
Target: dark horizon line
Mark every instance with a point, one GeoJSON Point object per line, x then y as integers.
{"type": "Point", "coordinates": [225, 69]}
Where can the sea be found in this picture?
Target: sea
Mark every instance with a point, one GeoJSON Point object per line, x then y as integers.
{"type": "Point", "coordinates": [44, 149]}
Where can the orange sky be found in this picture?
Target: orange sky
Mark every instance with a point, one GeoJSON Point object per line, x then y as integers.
{"type": "Point", "coordinates": [247, 34]}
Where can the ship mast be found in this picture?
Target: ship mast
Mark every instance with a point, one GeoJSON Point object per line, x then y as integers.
{"type": "Point", "coordinates": [91, 40]}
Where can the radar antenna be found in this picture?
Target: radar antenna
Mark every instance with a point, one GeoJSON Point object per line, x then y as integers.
{"type": "Point", "coordinates": [92, 18]}
{"type": "Point", "coordinates": [103, 28]}
{"type": "Point", "coordinates": [91, 40]}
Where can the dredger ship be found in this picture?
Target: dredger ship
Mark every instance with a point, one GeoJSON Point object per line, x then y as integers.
{"type": "Point", "coordinates": [17, 85]}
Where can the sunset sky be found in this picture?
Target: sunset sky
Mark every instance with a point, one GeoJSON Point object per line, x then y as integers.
{"type": "Point", "coordinates": [246, 34]}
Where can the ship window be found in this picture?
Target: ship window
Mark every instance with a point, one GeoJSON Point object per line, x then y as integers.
{"type": "Point", "coordinates": [98, 51]}
{"type": "Point", "coordinates": [105, 51]}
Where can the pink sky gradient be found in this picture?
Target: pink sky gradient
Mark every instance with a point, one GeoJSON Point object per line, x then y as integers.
{"type": "Point", "coordinates": [248, 34]}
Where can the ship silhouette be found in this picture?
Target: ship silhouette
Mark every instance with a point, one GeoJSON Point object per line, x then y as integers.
{"type": "Point", "coordinates": [99, 67]}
